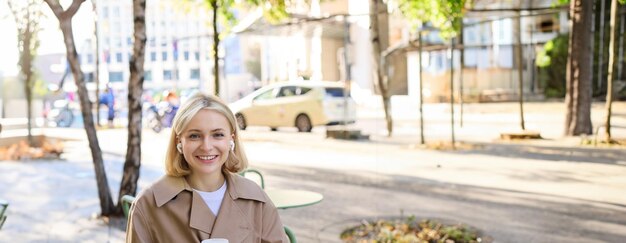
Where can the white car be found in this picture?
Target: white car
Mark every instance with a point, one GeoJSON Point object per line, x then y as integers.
{"type": "Point", "coordinates": [301, 104]}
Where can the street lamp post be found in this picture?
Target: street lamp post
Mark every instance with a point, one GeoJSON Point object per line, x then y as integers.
{"type": "Point", "coordinates": [348, 74]}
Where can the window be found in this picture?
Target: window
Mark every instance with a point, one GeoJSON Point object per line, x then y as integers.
{"type": "Point", "coordinates": [302, 90]}
{"type": "Point", "coordinates": [164, 56]}
{"type": "Point", "coordinates": [118, 57]}
{"type": "Point", "coordinates": [470, 57]}
{"type": "Point", "coordinates": [546, 24]}
{"type": "Point", "coordinates": [186, 55]}
{"type": "Point", "coordinates": [89, 77]}
{"type": "Point", "coordinates": [167, 74]}
{"type": "Point", "coordinates": [147, 75]}
{"type": "Point", "coordinates": [265, 95]}
{"type": "Point", "coordinates": [287, 91]}
{"type": "Point", "coordinates": [197, 55]}
{"type": "Point", "coordinates": [116, 76]}
{"type": "Point", "coordinates": [115, 27]}
{"type": "Point", "coordinates": [89, 58]}
{"type": "Point", "coordinates": [105, 12]}
{"type": "Point", "coordinates": [116, 11]}
{"type": "Point", "coordinates": [118, 42]}
{"type": "Point", "coordinates": [194, 74]}
{"type": "Point", "coordinates": [153, 56]}
{"type": "Point", "coordinates": [335, 92]}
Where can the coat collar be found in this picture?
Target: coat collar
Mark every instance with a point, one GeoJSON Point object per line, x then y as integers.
{"type": "Point", "coordinates": [231, 222]}
{"type": "Point", "coordinates": [168, 187]}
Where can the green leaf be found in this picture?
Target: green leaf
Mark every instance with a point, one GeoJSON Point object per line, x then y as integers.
{"type": "Point", "coordinates": [446, 15]}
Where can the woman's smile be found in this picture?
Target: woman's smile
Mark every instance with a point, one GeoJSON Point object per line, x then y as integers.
{"type": "Point", "coordinates": [207, 159]}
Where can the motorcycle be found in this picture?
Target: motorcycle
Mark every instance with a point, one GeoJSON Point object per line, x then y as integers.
{"type": "Point", "coordinates": [160, 116]}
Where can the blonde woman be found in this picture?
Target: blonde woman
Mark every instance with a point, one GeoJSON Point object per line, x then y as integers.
{"type": "Point", "coordinates": [201, 196]}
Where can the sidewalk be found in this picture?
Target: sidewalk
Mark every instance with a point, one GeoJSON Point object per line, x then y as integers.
{"type": "Point", "coordinates": [483, 122]}
{"type": "Point", "coordinates": [54, 201]}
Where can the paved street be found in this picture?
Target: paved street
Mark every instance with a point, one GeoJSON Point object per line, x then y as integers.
{"type": "Point", "coordinates": [529, 191]}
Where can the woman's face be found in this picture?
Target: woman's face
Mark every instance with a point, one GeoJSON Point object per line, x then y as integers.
{"type": "Point", "coordinates": [205, 142]}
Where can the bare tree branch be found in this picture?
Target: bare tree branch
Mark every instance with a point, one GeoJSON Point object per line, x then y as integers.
{"type": "Point", "coordinates": [13, 12]}
{"type": "Point", "coordinates": [73, 8]}
{"type": "Point", "coordinates": [58, 11]}
{"type": "Point", "coordinates": [55, 7]}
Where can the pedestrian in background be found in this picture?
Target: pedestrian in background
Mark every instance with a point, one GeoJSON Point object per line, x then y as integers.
{"type": "Point", "coordinates": [173, 103]}
{"type": "Point", "coordinates": [108, 99]}
{"type": "Point", "coordinates": [202, 196]}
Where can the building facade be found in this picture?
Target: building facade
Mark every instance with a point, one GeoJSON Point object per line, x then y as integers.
{"type": "Point", "coordinates": [489, 41]}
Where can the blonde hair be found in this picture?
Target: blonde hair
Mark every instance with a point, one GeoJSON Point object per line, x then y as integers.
{"type": "Point", "coordinates": [175, 163]}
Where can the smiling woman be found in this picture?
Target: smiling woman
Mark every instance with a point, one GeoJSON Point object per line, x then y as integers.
{"type": "Point", "coordinates": [202, 196]}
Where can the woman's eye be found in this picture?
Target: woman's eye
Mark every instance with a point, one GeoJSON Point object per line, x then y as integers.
{"type": "Point", "coordinates": [194, 136]}
{"type": "Point", "coordinates": [219, 135]}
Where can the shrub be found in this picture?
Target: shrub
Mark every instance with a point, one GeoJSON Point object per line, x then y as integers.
{"type": "Point", "coordinates": [409, 230]}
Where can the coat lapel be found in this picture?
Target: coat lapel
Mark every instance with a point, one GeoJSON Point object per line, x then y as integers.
{"type": "Point", "coordinates": [201, 217]}
{"type": "Point", "coordinates": [231, 222]}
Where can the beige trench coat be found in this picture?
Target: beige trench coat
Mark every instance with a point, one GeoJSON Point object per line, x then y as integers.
{"type": "Point", "coordinates": [171, 211]}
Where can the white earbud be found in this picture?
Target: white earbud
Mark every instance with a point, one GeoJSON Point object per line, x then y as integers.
{"type": "Point", "coordinates": [232, 145]}
{"type": "Point", "coordinates": [179, 147]}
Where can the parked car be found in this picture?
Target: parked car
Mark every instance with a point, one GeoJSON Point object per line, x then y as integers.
{"type": "Point", "coordinates": [302, 104]}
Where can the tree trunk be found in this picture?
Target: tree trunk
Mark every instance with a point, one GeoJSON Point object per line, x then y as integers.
{"type": "Point", "coordinates": [135, 89]}
{"type": "Point", "coordinates": [578, 93]}
{"type": "Point", "coordinates": [26, 62]}
{"type": "Point", "coordinates": [620, 43]}
{"type": "Point", "coordinates": [65, 22]}
{"type": "Point", "coordinates": [216, 45]}
{"type": "Point", "coordinates": [609, 79]}
{"type": "Point", "coordinates": [453, 142]}
{"type": "Point", "coordinates": [517, 29]}
{"type": "Point", "coordinates": [600, 85]}
{"type": "Point", "coordinates": [28, 88]}
{"type": "Point", "coordinates": [421, 43]}
{"type": "Point", "coordinates": [379, 35]}
{"type": "Point", "coordinates": [27, 29]}
{"type": "Point", "coordinates": [462, 57]}
{"type": "Point", "coordinates": [96, 72]}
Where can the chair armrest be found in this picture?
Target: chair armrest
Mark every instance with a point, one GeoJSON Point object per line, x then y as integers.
{"type": "Point", "coordinates": [127, 200]}
{"type": "Point", "coordinates": [254, 171]}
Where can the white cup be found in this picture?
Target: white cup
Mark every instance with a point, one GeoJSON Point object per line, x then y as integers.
{"type": "Point", "coordinates": [215, 240]}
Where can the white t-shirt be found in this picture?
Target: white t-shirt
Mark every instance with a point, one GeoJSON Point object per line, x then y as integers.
{"type": "Point", "coordinates": [213, 199]}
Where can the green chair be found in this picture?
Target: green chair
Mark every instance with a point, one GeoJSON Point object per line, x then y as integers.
{"type": "Point", "coordinates": [290, 234]}
{"type": "Point", "coordinates": [3, 208]}
{"type": "Point", "coordinates": [254, 171]}
{"type": "Point", "coordinates": [127, 200]}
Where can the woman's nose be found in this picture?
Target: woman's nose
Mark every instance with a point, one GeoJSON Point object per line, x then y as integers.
{"type": "Point", "coordinates": [207, 144]}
